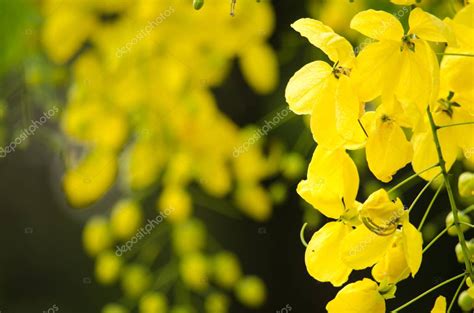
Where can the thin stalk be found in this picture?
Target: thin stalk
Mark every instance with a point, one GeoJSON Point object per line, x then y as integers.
{"type": "Point", "coordinates": [453, 300]}
{"type": "Point", "coordinates": [457, 54]}
{"type": "Point", "coordinates": [428, 292]}
{"type": "Point", "coordinates": [303, 241]}
{"type": "Point", "coordinates": [429, 207]}
{"type": "Point", "coordinates": [467, 224]}
{"type": "Point", "coordinates": [454, 209]}
{"type": "Point", "coordinates": [421, 193]}
{"type": "Point", "coordinates": [406, 180]}
{"type": "Point", "coordinates": [455, 124]}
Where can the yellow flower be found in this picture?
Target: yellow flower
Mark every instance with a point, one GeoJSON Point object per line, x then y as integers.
{"type": "Point", "coordinates": [153, 302]}
{"type": "Point", "coordinates": [91, 178]}
{"type": "Point", "coordinates": [61, 37]}
{"type": "Point", "coordinates": [440, 305]}
{"type": "Point", "coordinates": [393, 267]}
{"type": "Point", "coordinates": [387, 148]}
{"type": "Point", "coordinates": [331, 187]}
{"type": "Point", "coordinates": [369, 243]}
{"type": "Point", "coordinates": [125, 219]}
{"type": "Point", "coordinates": [399, 64]}
{"type": "Point", "coordinates": [194, 270]}
{"type": "Point", "coordinates": [327, 92]}
{"type": "Point", "coordinates": [175, 203]}
{"type": "Point", "coordinates": [359, 297]}
{"type": "Point", "coordinates": [107, 267]}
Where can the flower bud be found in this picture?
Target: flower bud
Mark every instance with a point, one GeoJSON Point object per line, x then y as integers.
{"type": "Point", "coordinates": [96, 236]}
{"type": "Point", "coordinates": [216, 303]}
{"type": "Point", "coordinates": [197, 4]}
{"type": "Point", "coordinates": [194, 271]}
{"type": "Point", "coordinates": [107, 267]}
{"type": "Point", "coordinates": [292, 165]}
{"type": "Point", "coordinates": [135, 280]}
{"type": "Point", "coordinates": [251, 291]}
{"type": "Point", "coordinates": [114, 308]}
{"type": "Point", "coordinates": [459, 253]}
{"type": "Point", "coordinates": [153, 302]}
{"type": "Point", "coordinates": [465, 302]}
{"type": "Point", "coordinates": [226, 269]}
{"type": "Point", "coordinates": [466, 185]}
{"type": "Point", "coordinates": [452, 231]}
{"type": "Point", "coordinates": [126, 218]}
{"type": "Point", "coordinates": [189, 236]}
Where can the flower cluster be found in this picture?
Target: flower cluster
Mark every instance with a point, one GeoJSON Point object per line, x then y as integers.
{"type": "Point", "coordinates": [403, 105]}
{"type": "Point", "coordinates": [141, 109]}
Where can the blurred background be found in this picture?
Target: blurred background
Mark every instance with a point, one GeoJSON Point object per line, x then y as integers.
{"type": "Point", "coordinates": [112, 112]}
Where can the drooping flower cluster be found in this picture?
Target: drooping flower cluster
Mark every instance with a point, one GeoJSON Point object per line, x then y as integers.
{"type": "Point", "coordinates": [392, 99]}
{"type": "Point", "coordinates": [141, 111]}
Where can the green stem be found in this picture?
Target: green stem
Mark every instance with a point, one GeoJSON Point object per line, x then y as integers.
{"type": "Point", "coordinates": [421, 193]}
{"type": "Point", "coordinates": [303, 241]}
{"type": "Point", "coordinates": [406, 180]}
{"type": "Point", "coordinates": [455, 124]}
{"type": "Point", "coordinates": [456, 295]}
{"type": "Point", "coordinates": [429, 207]}
{"type": "Point", "coordinates": [469, 209]}
{"type": "Point", "coordinates": [467, 224]}
{"type": "Point", "coordinates": [442, 165]}
{"type": "Point", "coordinates": [429, 291]}
{"type": "Point", "coordinates": [457, 54]}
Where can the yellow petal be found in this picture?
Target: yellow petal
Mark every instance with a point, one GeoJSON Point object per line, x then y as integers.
{"type": "Point", "coordinates": [359, 297]}
{"type": "Point", "coordinates": [332, 179]}
{"type": "Point", "coordinates": [393, 267]}
{"type": "Point", "coordinates": [61, 37]}
{"type": "Point", "coordinates": [382, 211]}
{"type": "Point", "coordinates": [428, 26]}
{"type": "Point", "coordinates": [377, 70]}
{"type": "Point", "coordinates": [456, 73]}
{"type": "Point", "coordinates": [323, 117]}
{"type": "Point", "coordinates": [412, 246]}
{"type": "Point", "coordinates": [337, 48]}
{"type": "Point", "coordinates": [378, 25]}
{"type": "Point", "coordinates": [463, 36]}
{"type": "Point", "coordinates": [465, 16]}
{"type": "Point", "coordinates": [464, 134]}
{"type": "Point", "coordinates": [419, 77]}
{"type": "Point", "coordinates": [260, 67]}
{"type": "Point", "coordinates": [425, 155]}
{"type": "Point", "coordinates": [440, 305]}
{"type": "Point", "coordinates": [470, 291]}
{"type": "Point", "coordinates": [306, 86]}
{"type": "Point", "coordinates": [348, 109]}
{"type": "Point", "coordinates": [362, 248]}
{"type": "Point", "coordinates": [91, 179]}
{"type": "Point", "coordinates": [387, 149]}
{"type": "Point", "coordinates": [322, 255]}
